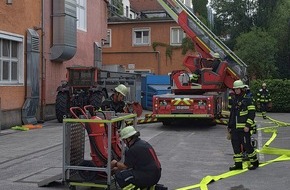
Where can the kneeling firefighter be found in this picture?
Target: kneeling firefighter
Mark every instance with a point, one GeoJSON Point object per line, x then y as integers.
{"type": "Point", "coordinates": [242, 115]}
{"type": "Point", "coordinates": [141, 169]}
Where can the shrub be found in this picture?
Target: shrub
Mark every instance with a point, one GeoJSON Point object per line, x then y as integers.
{"type": "Point", "coordinates": [279, 90]}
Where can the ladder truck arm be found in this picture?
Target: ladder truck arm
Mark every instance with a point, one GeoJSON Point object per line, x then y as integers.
{"type": "Point", "coordinates": [206, 43]}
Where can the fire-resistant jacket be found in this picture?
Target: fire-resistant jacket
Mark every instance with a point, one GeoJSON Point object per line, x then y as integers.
{"type": "Point", "coordinates": [263, 96]}
{"type": "Point", "coordinates": [242, 113]}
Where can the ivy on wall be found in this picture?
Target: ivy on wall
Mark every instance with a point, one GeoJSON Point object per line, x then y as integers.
{"type": "Point", "coordinates": [186, 45]}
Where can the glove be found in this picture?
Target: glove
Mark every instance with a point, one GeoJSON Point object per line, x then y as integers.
{"type": "Point", "coordinates": [229, 135]}
{"type": "Point", "coordinates": [258, 106]}
{"type": "Point", "coordinates": [247, 127]}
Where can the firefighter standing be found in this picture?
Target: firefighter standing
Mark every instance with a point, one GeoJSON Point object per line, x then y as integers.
{"type": "Point", "coordinates": [116, 101]}
{"type": "Point", "coordinates": [264, 100]}
{"type": "Point", "coordinates": [242, 115]}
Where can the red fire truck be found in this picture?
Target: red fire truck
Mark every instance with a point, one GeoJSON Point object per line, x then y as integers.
{"type": "Point", "coordinates": [204, 98]}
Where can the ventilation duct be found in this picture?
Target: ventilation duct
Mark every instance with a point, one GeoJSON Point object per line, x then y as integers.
{"type": "Point", "coordinates": [97, 55]}
{"type": "Point", "coordinates": [64, 30]}
{"type": "Point", "coordinates": [29, 109]}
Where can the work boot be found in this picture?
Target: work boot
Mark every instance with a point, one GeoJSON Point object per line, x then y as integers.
{"type": "Point", "coordinates": [254, 165]}
{"type": "Point", "coordinates": [237, 166]}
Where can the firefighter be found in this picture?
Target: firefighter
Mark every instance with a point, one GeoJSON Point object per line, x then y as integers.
{"type": "Point", "coordinates": [264, 101]}
{"type": "Point", "coordinates": [141, 168]}
{"type": "Point", "coordinates": [116, 101]}
{"type": "Point", "coordinates": [242, 115]}
{"type": "Point", "coordinates": [216, 62]}
{"type": "Point", "coordinates": [250, 94]}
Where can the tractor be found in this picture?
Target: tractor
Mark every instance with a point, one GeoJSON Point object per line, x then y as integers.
{"type": "Point", "coordinates": [80, 89]}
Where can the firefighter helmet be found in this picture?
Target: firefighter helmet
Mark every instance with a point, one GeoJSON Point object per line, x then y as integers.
{"type": "Point", "coordinates": [122, 89]}
{"type": "Point", "coordinates": [127, 132]}
{"type": "Point", "coordinates": [264, 85]}
{"type": "Point", "coordinates": [239, 84]}
{"type": "Point", "coordinates": [216, 55]}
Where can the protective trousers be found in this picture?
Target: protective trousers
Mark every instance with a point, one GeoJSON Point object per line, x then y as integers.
{"type": "Point", "coordinates": [127, 181]}
{"type": "Point", "coordinates": [243, 138]}
{"type": "Point", "coordinates": [264, 108]}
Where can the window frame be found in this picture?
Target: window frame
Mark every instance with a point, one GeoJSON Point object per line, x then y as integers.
{"type": "Point", "coordinates": [19, 39]}
{"type": "Point", "coordinates": [176, 28]}
{"type": "Point", "coordinates": [81, 22]}
{"type": "Point", "coordinates": [143, 29]}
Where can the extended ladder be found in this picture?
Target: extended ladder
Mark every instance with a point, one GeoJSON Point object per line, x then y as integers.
{"type": "Point", "coordinates": [207, 43]}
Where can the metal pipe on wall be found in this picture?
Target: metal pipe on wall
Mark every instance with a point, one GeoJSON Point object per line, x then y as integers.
{"type": "Point", "coordinates": [43, 73]}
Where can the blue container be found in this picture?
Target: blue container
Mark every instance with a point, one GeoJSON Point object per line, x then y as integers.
{"type": "Point", "coordinates": [153, 85]}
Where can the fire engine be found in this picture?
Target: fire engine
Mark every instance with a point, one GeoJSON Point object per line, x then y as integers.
{"type": "Point", "coordinates": [204, 98]}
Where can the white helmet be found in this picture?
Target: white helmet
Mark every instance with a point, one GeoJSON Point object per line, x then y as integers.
{"type": "Point", "coordinates": [216, 55]}
{"type": "Point", "coordinates": [122, 89]}
{"type": "Point", "coordinates": [127, 132]}
{"type": "Point", "coordinates": [239, 84]}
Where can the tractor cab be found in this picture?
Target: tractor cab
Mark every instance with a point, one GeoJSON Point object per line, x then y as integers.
{"type": "Point", "coordinates": [80, 89]}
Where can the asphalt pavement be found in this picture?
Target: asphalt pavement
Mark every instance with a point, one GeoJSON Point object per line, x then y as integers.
{"type": "Point", "coordinates": [188, 153]}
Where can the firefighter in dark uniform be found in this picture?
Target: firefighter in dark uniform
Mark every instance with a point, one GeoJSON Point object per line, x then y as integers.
{"type": "Point", "coordinates": [116, 101]}
{"type": "Point", "coordinates": [242, 115]}
{"type": "Point", "coordinates": [264, 100]}
{"type": "Point", "coordinates": [215, 62]}
{"type": "Point", "coordinates": [141, 168]}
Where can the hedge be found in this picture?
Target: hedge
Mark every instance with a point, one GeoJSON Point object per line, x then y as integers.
{"type": "Point", "coordinates": [279, 90]}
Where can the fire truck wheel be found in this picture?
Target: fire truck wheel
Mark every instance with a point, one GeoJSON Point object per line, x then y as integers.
{"type": "Point", "coordinates": [62, 105]}
{"type": "Point", "coordinates": [166, 123]}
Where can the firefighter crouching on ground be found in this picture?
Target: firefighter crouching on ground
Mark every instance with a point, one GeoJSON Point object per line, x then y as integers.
{"type": "Point", "coordinates": [116, 101]}
{"type": "Point", "coordinates": [264, 100]}
{"type": "Point", "coordinates": [242, 115]}
{"type": "Point", "coordinates": [141, 168]}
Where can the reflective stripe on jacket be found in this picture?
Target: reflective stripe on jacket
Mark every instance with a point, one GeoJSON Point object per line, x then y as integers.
{"type": "Point", "coordinates": [263, 96]}
{"type": "Point", "coordinates": [242, 113]}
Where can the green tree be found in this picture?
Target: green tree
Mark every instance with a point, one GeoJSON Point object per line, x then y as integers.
{"type": "Point", "coordinates": [257, 49]}
{"type": "Point", "coordinates": [233, 18]}
{"type": "Point", "coordinates": [200, 10]}
{"type": "Point", "coordinates": [199, 7]}
{"type": "Point", "coordinates": [264, 12]}
{"type": "Point", "coordinates": [279, 28]}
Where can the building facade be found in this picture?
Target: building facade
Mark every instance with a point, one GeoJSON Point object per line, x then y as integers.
{"type": "Point", "coordinates": [38, 40]}
{"type": "Point", "coordinates": [149, 46]}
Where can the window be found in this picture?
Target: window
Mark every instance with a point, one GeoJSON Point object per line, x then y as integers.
{"type": "Point", "coordinates": [107, 42]}
{"type": "Point", "coordinates": [176, 36]}
{"type": "Point", "coordinates": [82, 15]}
{"type": "Point", "coordinates": [141, 36]}
{"type": "Point", "coordinates": [11, 59]}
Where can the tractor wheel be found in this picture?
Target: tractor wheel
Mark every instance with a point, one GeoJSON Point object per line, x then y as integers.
{"type": "Point", "coordinates": [62, 106]}
{"type": "Point", "coordinates": [96, 99]}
